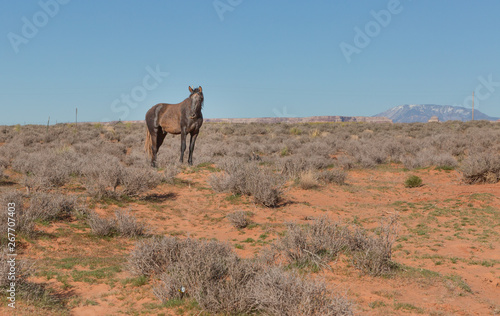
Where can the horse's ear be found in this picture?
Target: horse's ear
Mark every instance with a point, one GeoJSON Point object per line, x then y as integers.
{"type": "Point", "coordinates": [200, 89]}
{"type": "Point", "coordinates": [190, 89]}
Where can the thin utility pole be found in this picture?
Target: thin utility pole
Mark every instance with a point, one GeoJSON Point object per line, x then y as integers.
{"type": "Point", "coordinates": [76, 117]}
{"type": "Point", "coordinates": [48, 122]}
{"type": "Point", "coordinates": [473, 105]}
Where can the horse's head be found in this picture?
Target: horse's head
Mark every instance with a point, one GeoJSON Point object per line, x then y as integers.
{"type": "Point", "coordinates": [196, 97]}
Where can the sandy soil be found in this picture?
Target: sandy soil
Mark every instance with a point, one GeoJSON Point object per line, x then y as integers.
{"type": "Point", "coordinates": [448, 240]}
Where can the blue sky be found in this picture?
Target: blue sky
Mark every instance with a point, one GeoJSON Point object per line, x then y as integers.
{"type": "Point", "coordinates": [115, 59]}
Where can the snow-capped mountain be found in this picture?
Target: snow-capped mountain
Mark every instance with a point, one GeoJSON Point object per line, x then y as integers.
{"type": "Point", "coordinates": [409, 113]}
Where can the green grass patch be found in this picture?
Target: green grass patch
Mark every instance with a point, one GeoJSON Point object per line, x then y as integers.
{"type": "Point", "coordinates": [459, 282]}
{"type": "Point", "coordinates": [136, 282]}
{"type": "Point", "coordinates": [234, 198]}
{"type": "Point", "coordinates": [377, 304]}
{"type": "Point", "coordinates": [91, 276]}
{"type": "Point", "coordinates": [408, 307]}
{"type": "Point", "coordinates": [413, 182]}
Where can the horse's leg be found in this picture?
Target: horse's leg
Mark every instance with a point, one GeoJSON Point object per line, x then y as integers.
{"type": "Point", "coordinates": [183, 144]}
{"type": "Point", "coordinates": [153, 134]}
{"type": "Point", "coordinates": [191, 147]}
{"type": "Point", "coordinates": [160, 136]}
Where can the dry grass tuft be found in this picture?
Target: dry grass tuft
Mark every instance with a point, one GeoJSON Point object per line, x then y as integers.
{"type": "Point", "coordinates": [308, 180]}
{"type": "Point", "coordinates": [239, 219]}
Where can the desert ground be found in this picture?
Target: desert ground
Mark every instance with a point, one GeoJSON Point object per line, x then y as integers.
{"type": "Point", "coordinates": [272, 219]}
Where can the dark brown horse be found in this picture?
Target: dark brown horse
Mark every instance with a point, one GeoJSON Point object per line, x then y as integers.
{"type": "Point", "coordinates": [181, 118]}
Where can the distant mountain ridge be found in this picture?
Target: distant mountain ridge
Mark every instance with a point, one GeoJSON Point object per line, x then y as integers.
{"type": "Point", "coordinates": [289, 120]}
{"type": "Point", "coordinates": [410, 113]}
{"type": "Point", "coordinates": [310, 119]}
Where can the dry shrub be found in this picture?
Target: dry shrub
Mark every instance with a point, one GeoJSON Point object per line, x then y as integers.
{"type": "Point", "coordinates": [316, 244]}
{"type": "Point", "coordinates": [35, 183]}
{"type": "Point", "coordinates": [265, 187]}
{"type": "Point", "coordinates": [10, 151]}
{"type": "Point", "coordinates": [429, 157]}
{"type": "Point", "coordinates": [152, 256]}
{"type": "Point", "coordinates": [24, 270]}
{"type": "Point", "coordinates": [308, 180]}
{"type": "Point", "coordinates": [444, 160]}
{"type": "Point", "coordinates": [127, 225]}
{"type": "Point", "coordinates": [247, 178]}
{"type": "Point", "coordinates": [46, 169]}
{"type": "Point", "coordinates": [124, 224]}
{"type": "Point", "coordinates": [101, 226]}
{"type": "Point", "coordinates": [372, 254]}
{"type": "Point", "coordinates": [24, 219]}
{"type": "Point", "coordinates": [221, 182]}
{"type": "Point", "coordinates": [239, 219]}
{"type": "Point", "coordinates": [481, 168]}
{"type": "Point", "coordinates": [279, 293]}
{"type": "Point", "coordinates": [210, 272]}
{"type": "Point", "coordinates": [292, 167]}
{"type": "Point", "coordinates": [221, 283]}
{"type": "Point", "coordinates": [50, 206]}
{"type": "Point", "coordinates": [346, 162]}
{"type": "Point", "coordinates": [28, 137]}
{"type": "Point", "coordinates": [137, 158]}
{"type": "Point", "coordinates": [4, 162]}
{"type": "Point", "coordinates": [102, 174]}
{"type": "Point", "coordinates": [312, 245]}
{"type": "Point", "coordinates": [168, 175]}
{"type": "Point", "coordinates": [138, 180]}
{"type": "Point", "coordinates": [336, 176]}
{"type": "Point", "coordinates": [133, 139]}
{"type": "Point", "coordinates": [370, 153]}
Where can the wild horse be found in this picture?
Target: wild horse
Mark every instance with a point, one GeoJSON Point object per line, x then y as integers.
{"type": "Point", "coordinates": [181, 118]}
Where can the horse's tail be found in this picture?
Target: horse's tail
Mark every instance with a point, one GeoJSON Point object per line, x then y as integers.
{"type": "Point", "coordinates": [148, 146]}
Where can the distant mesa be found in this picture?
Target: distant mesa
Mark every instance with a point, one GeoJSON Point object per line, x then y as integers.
{"type": "Point", "coordinates": [291, 120]}
{"type": "Point", "coordinates": [310, 119]}
{"type": "Point", "coordinates": [433, 118]}
{"type": "Point", "coordinates": [411, 113]}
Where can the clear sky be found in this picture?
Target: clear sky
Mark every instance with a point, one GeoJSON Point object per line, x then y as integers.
{"type": "Point", "coordinates": [254, 58]}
